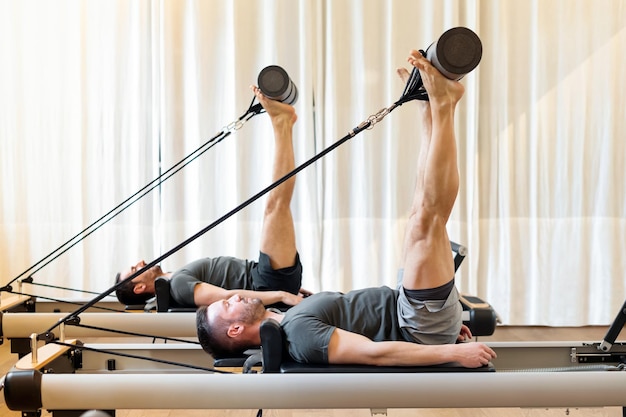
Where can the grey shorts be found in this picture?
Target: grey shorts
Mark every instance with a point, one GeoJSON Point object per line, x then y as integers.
{"type": "Point", "coordinates": [430, 322]}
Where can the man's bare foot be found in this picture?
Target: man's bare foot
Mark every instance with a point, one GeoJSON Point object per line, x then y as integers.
{"type": "Point", "coordinates": [441, 90]}
{"type": "Point", "coordinates": [404, 75]}
{"type": "Point", "coordinates": [279, 112]}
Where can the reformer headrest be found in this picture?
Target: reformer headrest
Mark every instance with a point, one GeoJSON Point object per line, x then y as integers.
{"type": "Point", "coordinates": [164, 301]}
{"type": "Point", "coordinates": [478, 315]}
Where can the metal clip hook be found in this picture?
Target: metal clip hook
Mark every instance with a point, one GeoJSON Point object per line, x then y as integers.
{"type": "Point", "coordinates": [232, 126]}
{"type": "Point", "coordinates": [377, 117]}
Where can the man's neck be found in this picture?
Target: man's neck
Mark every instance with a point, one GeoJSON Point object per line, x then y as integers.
{"type": "Point", "coordinates": [269, 314]}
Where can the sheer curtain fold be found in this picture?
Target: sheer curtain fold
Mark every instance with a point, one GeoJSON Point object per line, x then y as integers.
{"type": "Point", "coordinates": [548, 207]}
{"type": "Point", "coordinates": [77, 78]}
{"type": "Point", "coordinates": [217, 72]}
{"type": "Point", "coordinates": [104, 96]}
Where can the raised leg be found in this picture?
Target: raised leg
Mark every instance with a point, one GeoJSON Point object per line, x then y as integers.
{"type": "Point", "coordinates": [428, 261]}
{"type": "Point", "coordinates": [278, 238]}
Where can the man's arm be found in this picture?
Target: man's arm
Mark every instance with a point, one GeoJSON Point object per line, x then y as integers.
{"type": "Point", "coordinates": [351, 348]}
{"type": "Point", "coordinates": [205, 294]}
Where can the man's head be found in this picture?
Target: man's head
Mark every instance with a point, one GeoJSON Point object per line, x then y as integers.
{"type": "Point", "coordinates": [229, 326]}
{"type": "Point", "coordinates": [141, 288]}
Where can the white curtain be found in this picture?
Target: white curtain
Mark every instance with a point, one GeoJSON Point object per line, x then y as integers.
{"type": "Point", "coordinates": [100, 97]}
{"type": "Point", "coordinates": [77, 138]}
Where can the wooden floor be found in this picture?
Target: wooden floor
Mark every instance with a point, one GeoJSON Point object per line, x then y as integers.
{"type": "Point", "coordinates": [7, 360]}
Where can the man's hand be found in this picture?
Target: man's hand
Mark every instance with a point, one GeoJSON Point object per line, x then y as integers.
{"type": "Point", "coordinates": [465, 334]}
{"type": "Point", "coordinates": [304, 293]}
{"type": "Point", "coordinates": [290, 299]}
{"type": "Point", "coordinates": [473, 354]}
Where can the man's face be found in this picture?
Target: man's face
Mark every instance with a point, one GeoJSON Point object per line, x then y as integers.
{"type": "Point", "coordinates": [237, 309]}
{"type": "Point", "coordinates": [146, 277]}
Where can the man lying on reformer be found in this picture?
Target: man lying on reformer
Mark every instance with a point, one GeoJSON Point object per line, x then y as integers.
{"type": "Point", "coordinates": [417, 324]}
{"type": "Point", "coordinates": [274, 279]}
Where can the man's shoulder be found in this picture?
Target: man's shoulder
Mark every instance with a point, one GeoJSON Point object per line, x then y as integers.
{"type": "Point", "coordinates": [212, 262]}
{"type": "Point", "coordinates": [381, 291]}
{"type": "Point", "coordinates": [369, 292]}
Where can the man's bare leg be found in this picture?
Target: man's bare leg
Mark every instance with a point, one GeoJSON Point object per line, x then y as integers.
{"type": "Point", "coordinates": [427, 127]}
{"type": "Point", "coordinates": [278, 237]}
{"type": "Point", "coordinates": [428, 259]}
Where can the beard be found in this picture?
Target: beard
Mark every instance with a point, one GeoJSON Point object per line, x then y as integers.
{"type": "Point", "coordinates": [254, 311]}
{"type": "Point", "coordinates": [156, 269]}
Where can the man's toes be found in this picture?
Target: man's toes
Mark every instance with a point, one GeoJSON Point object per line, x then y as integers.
{"type": "Point", "coordinates": [403, 74]}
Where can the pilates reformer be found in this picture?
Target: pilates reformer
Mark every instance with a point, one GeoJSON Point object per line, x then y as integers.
{"type": "Point", "coordinates": [18, 327]}
{"type": "Point", "coordinates": [533, 374]}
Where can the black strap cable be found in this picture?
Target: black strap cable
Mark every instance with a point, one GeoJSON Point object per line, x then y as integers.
{"type": "Point", "coordinates": [414, 88]}
{"type": "Point", "coordinates": [77, 238]}
{"type": "Point", "coordinates": [367, 124]}
{"type": "Point", "coordinates": [104, 329]}
{"type": "Point", "coordinates": [74, 240]}
{"type": "Point", "coordinates": [241, 206]}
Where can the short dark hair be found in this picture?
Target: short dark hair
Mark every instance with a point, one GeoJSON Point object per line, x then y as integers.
{"type": "Point", "coordinates": [213, 335]}
{"type": "Point", "coordinates": [126, 295]}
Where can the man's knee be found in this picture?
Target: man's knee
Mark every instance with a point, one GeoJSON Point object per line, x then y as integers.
{"type": "Point", "coordinates": [422, 224]}
{"type": "Point", "coordinates": [277, 207]}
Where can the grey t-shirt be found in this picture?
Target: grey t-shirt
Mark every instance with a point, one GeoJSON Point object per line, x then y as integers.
{"type": "Point", "coordinates": [309, 325]}
{"type": "Point", "coordinates": [224, 271]}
